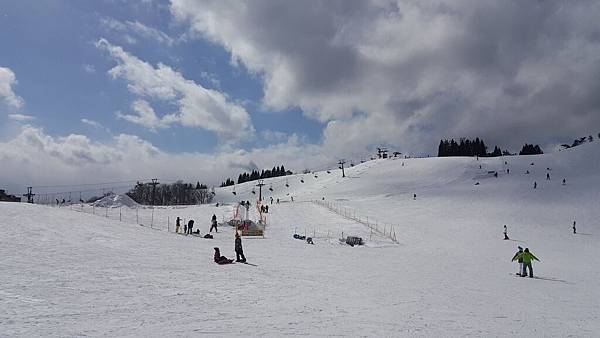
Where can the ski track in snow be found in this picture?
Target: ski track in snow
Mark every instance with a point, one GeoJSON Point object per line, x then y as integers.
{"type": "Point", "coordinates": [65, 273]}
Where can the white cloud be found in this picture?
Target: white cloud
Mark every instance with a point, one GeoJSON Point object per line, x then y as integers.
{"type": "Point", "coordinates": [89, 68]}
{"type": "Point", "coordinates": [139, 29]}
{"type": "Point", "coordinates": [410, 72]}
{"type": "Point", "coordinates": [92, 123]}
{"type": "Point", "coordinates": [7, 81]}
{"type": "Point", "coordinates": [21, 117]}
{"type": "Point", "coordinates": [144, 116]}
{"type": "Point", "coordinates": [75, 158]}
{"type": "Point", "coordinates": [197, 106]}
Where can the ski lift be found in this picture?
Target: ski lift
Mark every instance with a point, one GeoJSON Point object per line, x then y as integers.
{"type": "Point", "coordinates": [233, 192]}
{"type": "Point", "coordinates": [271, 187]}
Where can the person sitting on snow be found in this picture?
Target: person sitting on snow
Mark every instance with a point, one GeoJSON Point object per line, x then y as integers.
{"type": "Point", "coordinates": [221, 259]}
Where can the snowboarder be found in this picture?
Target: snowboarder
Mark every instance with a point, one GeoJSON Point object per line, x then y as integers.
{"type": "Point", "coordinates": [177, 224]}
{"type": "Point", "coordinates": [190, 226]}
{"type": "Point", "coordinates": [213, 223]}
{"type": "Point", "coordinates": [547, 176]}
{"type": "Point", "coordinates": [505, 233]}
{"type": "Point", "coordinates": [519, 259]}
{"type": "Point", "coordinates": [574, 228]}
{"type": "Point", "coordinates": [534, 185]}
{"type": "Point", "coordinates": [221, 259]}
{"type": "Point", "coordinates": [239, 251]}
{"type": "Point", "coordinates": [527, 257]}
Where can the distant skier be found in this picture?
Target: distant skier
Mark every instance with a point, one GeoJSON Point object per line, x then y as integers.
{"type": "Point", "coordinates": [505, 233]}
{"type": "Point", "coordinates": [507, 170]}
{"type": "Point", "coordinates": [534, 185]}
{"type": "Point", "coordinates": [271, 199]}
{"type": "Point", "coordinates": [527, 257]}
{"type": "Point", "coordinates": [547, 176]}
{"type": "Point", "coordinates": [414, 196]}
{"type": "Point", "coordinates": [278, 201]}
{"type": "Point", "coordinates": [267, 209]}
{"type": "Point", "coordinates": [177, 224]}
{"type": "Point", "coordinates": [496, 174]}
{"type": "Point", "coordinates": [190, 226]}
{"type": "Point", "coordinates": [527, 172]}
{"type": "Point", "coordinates": [185, 228]}
{"type": "Point", "coordinates": [239, 251]}
{"type": "Point", "coordinates": [574, 228]}
{"type": "Point", "coordinates": [221, 259]}
{"type": "Point", "coordinates": [564, 181]}
{"type": "Point", "coordinates": [292, 197]}
{"type": "Point", "coordinates": [519, 259]}
{"type": "Point", "coordinates": [213, 223]}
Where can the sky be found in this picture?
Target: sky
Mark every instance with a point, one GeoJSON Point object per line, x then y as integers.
{"type": "Point", "coordinates": [111, 90]}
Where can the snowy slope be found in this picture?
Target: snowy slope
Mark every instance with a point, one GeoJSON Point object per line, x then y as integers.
{"type": "Point", "coordinates": [71, 274]}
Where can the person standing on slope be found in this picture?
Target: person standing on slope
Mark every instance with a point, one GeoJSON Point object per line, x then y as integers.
{"type": "Point", "coordinates": [239, 251]}
{"type": "Point", "coordinates": [190, 226]}
{"type": "Point", "coordinates": [177, 224]}
{"type": "Point", "coordinates": [574, 228]}
{"type": "Point", "coordinates": [527, 258]}
{"type": "Point", "coordinates": [519, 259]}
{"type": "Point", "coordinates": [505, 233]}
{"type": "Point", "coordinates": [213, 223]}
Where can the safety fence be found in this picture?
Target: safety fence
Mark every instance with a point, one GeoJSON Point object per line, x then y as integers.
{"type": "Point", "coordinates": [384, 229]}
{"type": "Point", "coordinates": [157, 218]}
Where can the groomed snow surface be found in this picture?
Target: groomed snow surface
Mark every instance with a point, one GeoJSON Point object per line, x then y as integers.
{"type": "Point", "coordinates": [67, 273]}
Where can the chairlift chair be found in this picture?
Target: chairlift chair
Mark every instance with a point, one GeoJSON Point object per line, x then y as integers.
{"type": "Point", "coordinates": [233, 192]}
{"type": "Point", "coordinates": [271, 187]}
{"type": "Point", "coordinates": [287, 184]}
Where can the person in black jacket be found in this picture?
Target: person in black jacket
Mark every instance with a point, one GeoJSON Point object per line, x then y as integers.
{"type": "Point", "coordinates": [239, 252]}
{"type": "Point", "coordinates": [213, 224]}
{"type": "Point", "coordinates": [190, 226]}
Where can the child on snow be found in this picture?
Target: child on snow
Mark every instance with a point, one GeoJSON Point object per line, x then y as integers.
{"type": "Point", "coordinates": [221, 259]}
{"type": "Point", "coordinates": [214, 223]}
{"type": "Point", "coordinates": [519, 260]}
{"type": "Point", "coordinates": [505, 233]}
{"type": "Point", "coordinates": [239, 251]}
{"type": "Point", "coordinates": [177, 225]}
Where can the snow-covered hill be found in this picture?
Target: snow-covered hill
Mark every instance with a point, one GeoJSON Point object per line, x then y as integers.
{"type": "Point", "coordinates": [72, 274]}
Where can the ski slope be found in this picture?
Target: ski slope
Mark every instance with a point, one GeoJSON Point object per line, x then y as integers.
{"type": "Point", "coordinates": [73, 274]}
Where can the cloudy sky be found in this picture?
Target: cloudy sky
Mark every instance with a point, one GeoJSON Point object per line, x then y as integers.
{"type": "Point", "coordinates": [109, 90]}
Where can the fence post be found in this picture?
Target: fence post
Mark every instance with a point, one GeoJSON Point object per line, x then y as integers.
{"type": "Point", "coordinates": [152, 218]}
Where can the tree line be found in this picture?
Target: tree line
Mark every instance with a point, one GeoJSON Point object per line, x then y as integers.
{"type": "Point", "coordinates": [255, 175]}
{"type": "Point", "coordinates": [477, 147]}
{"type": "Point", "coordinates": [177, 193]}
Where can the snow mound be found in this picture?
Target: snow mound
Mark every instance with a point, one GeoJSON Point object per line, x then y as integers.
{"type": "Point", "coordinates": [116, 201]}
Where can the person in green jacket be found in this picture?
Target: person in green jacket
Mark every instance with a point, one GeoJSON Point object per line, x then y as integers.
{"type": "Point", "coordinates": [519, 260]}
{"type": "Point", "coordinates": [527, 257]}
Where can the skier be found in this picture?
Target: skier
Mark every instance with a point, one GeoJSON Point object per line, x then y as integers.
{"type": "Point", "coordinates": [278, 201]}
{"type": "Point", "coordinates": [564, 181]}
{"type": "Point", "coordinates": [214, 223]}
{"type": "Point", "coordinates": [547, 176]}
{"type": "Point", "coordinates": [221, 259]}
{"type": "Point", "coordinates": [414, 196]}
{"type": "Point", "coordinates": [527, 257]}
{"type": "Point", "coordinates": [519, 259]}
{"type": "Point", "coordinates": [271, 199]}
{"type": "Point", "coordinates": [239, 251]}
{"type": "Point", "coordinates": [574, 229]}
{"type": "Point", "coordinates": [534, 185]}
{"type": "Point", "coordinates": [507, 170]}
{"type": "Point", "coordinates": [177, 224]}
{"type": "Point", "coordinates": [505, 233]}
{"type": "Point", "coordinates": [190, 226]}
{"type": "Point", "coordinates": [292, 197]}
